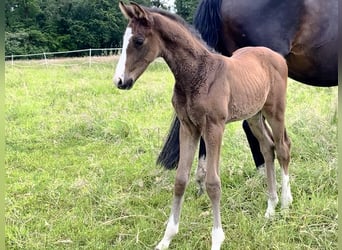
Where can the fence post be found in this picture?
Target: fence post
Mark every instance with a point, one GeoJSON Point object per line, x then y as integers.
{"type": "Point", "coordinates": [12, 61]}
{"type": "Point", "coordinates": [89, 57]}
{"type": "Point", "coordinates": [45, 59]}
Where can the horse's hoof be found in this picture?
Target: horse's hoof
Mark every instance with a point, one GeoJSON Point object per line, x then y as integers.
{"type": "Point", "coordinates": [269, 215]}
{"type": "Point", "coordinates": [161, 247]}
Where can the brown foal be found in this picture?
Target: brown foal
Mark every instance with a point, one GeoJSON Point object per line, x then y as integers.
{"type": "Point", "coordinates": [210, 91]}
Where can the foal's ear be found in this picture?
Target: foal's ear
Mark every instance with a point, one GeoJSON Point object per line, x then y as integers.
{"type": "Point", "coordinates": [126, 10]}
{"type": "Point", "coordinates": [133, 11]}
{"type": "Point", "coordinates": [139, 12]}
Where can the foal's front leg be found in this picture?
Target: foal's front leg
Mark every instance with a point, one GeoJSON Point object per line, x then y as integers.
{"type": "Point", "coordinates": [213, 139]}
{"type": "Point", "coordinates": [188, 143]}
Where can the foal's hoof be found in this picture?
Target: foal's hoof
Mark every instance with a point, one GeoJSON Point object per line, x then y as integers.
{"type": "Point", "coordinates": [161, 246]}
{"type": "Point", "coordinates": [271, 205]}
{"type": "Point", "coordinates": [269, 214]}
{"type": "Point", "coordinates": [286, 200]}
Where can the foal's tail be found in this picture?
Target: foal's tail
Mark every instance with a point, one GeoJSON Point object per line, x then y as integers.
{"type": "Point", "coordinates": [207, 21]}
{"type": "Point", "coordinates": [169, 154]}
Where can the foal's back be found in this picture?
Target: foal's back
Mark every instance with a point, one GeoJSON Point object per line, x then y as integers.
{"type": "Point", "coordinates": [257, 76]}
{"type": "Point", "coordinates": [260, 59]}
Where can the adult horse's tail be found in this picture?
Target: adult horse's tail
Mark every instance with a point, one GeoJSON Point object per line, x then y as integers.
{"type": "Point", "coordinates": [169, 155]}
{"type": "Point", "coordinates": [208, 21]}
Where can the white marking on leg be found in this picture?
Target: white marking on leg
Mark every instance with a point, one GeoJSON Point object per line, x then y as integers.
{"type": "Point", "coordinates": [272, 190]}
{"type": "Point", "coordinates": [217, 237]}
{"type": "Point", "coordinates": [170, 232]}
{"type": "Point", "coordinates": [120, 67]}
{"type": "Point", "coordinates": [286, 196]}
{"type": "Point", "coordinates": [271, 205]}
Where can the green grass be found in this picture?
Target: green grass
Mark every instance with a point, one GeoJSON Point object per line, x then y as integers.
{"type": "Point", "coordinates": [81, 174]}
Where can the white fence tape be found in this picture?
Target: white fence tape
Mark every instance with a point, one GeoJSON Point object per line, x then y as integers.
{"type": "Point", "coordinates": [48, 56]}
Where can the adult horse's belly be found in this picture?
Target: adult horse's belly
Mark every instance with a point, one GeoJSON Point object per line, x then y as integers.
{"type": "Point", "coordinates": [313, 55]}
{"type": "Point", "coordinates": [313, 67]}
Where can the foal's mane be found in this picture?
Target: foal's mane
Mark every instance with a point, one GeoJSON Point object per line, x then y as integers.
{"type": "Point", "coordinates": [179, 20]}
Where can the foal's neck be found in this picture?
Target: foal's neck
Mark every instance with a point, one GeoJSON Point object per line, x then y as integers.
{"type": "Point", "coordinates": [186, 56]}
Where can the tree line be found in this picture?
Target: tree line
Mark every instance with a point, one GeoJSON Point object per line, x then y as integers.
{"type": "Point", "coordinates": [35, 26]}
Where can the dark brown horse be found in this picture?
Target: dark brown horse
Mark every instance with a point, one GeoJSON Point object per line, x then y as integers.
{"type": "Point", "coordinates": [210, 91]}
{"type": "Point", "coordinates": [303, 31]}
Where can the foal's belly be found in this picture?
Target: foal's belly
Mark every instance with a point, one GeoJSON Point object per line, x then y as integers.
{"type": "Point", "coordinates": [248, 101]}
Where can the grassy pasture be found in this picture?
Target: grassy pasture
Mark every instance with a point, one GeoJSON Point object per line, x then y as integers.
{"type": "Point", "coordinates": [81, 174]}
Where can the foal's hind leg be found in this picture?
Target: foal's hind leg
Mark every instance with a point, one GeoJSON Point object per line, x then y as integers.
{"type": "Point", "coordinates": [283, 154]}
{"type": "Point", "coordinates": [201, 168]}
{"type": "Point", "coordinates": [264, 136]}
{"type": "Point", "coordinates": [188, 143]}
{"type": "Point", "coordinates": [282, 147]}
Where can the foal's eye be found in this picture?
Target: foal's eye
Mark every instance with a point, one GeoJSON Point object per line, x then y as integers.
{"type": "Point", "coordinates": [138, 41]}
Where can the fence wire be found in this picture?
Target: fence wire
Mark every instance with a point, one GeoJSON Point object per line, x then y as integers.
{"type": "Point", "coordinates": [62, 58]}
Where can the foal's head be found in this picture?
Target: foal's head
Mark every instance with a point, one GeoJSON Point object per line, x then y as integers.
{"type": "Point", "coordinates": [140, 45]}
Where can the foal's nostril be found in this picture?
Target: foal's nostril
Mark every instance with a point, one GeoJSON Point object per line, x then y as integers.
{"type": "Point", "coordinates": [119, 82]}
{"type": "Point", "coordinates": [122, 83]}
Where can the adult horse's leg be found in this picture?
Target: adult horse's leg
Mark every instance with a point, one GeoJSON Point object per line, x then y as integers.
{"type": "Point", "coordinates": [264, 136]}
{"type": "Point", "coordinates": [254, 146]}
{"type": "Point", "coordinates": [213, 137]}
{"type": "Point", "coordinates": [188, 144]}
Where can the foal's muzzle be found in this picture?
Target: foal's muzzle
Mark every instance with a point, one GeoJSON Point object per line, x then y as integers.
{"type": "Point", "coordinates": [124, 84]}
